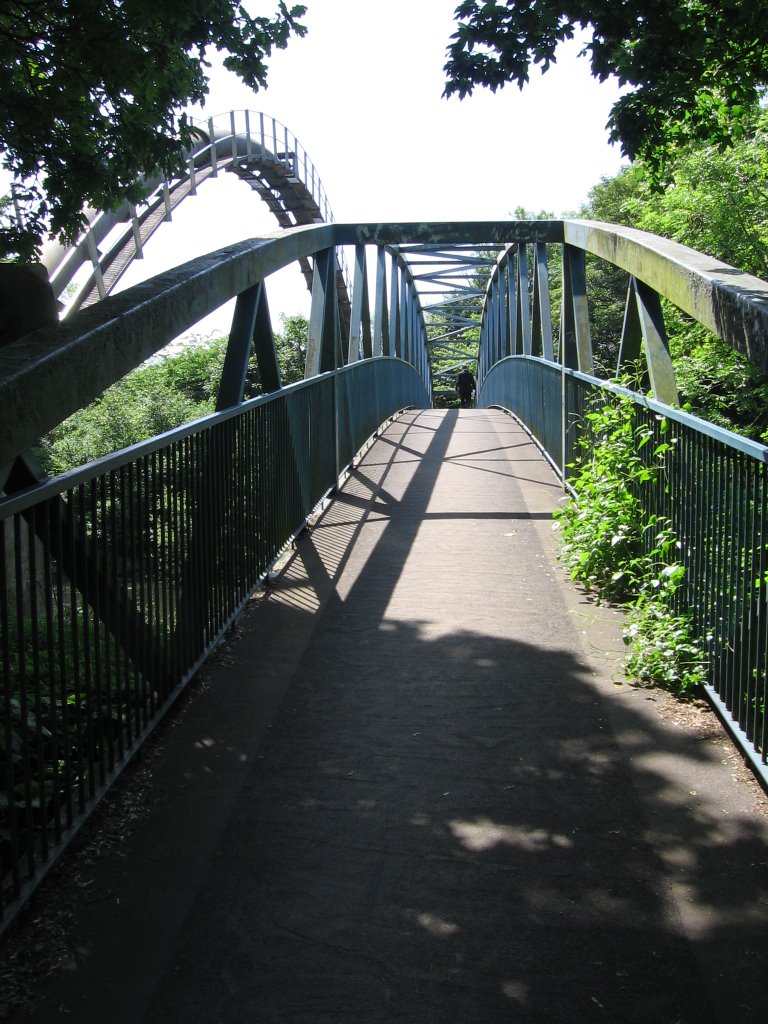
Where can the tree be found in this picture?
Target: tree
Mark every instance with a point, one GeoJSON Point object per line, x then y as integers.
{"type": "Point", "coordinates": [165, 392]}
{"type": "Point", "coordinates": [291, 347]}
{"type": "Point", "coordinates": [716, 204]}
{"type": "Point", "coordinates": [91, 94]}
{"type": "Point", "coordinates": [696, 67]}
{"type": "Point", "coordinates": [157, 396]}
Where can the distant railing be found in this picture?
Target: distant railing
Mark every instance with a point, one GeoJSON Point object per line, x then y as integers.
{"type": "Point", "coordinates": [256, 147]}
{"type": "Point", "coordinates": [242, 136]}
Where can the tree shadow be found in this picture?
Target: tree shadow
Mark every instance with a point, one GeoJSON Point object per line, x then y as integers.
{"type": "Point", "coordinates": [436, 821]}
{"type": "Point", "coordinates": [452, 832]}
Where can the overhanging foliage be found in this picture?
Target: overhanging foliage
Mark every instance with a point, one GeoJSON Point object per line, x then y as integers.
{"type": "Point", "coordinates": [91, 94]}
{"type": "Point", "coordinates": [696, 67]}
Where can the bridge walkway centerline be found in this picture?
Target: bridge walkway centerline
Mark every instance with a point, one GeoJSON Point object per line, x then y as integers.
{"type": "Point", "coordinates": [408, 790]}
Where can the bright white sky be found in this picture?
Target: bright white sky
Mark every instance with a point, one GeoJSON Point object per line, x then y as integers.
{"type": "Point", "coordinates": [362, 93]}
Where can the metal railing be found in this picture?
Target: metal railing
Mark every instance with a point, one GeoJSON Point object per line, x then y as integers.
{"type": "Point", "coordinates": [116, 579]}
{"type": "Point", "coordinates": [241, 141]}
{"type": "Point", "coordinates": [713, 489]}
{"type": "Point", "coordinates": [713, 495]}
{"type": "Point", "coordinates": [241, 136]}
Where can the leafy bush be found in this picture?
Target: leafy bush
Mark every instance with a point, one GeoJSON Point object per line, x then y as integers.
{"type": "Point", "coordinates": [620, 553]}
{"type": "Point", "coordinates": [158, 396]}
{"type": "Point", "coordinates": [164, 393]}
{"type": "Point", "coordinates": [663, 650]}
{"type": "Point", "coordinates": [602, 524]}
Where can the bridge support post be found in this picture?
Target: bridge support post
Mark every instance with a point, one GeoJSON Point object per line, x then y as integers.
{"type": "Point", "coordinates": [523, 339]}
{"type": "Point", "coordinates": [574, 322]}
{"type": "Point", "coordinates": [324, 341]}
{"type": "Point", "coordinates": [511, 275]}
{"type": "Point", "coordinates": [250, 325]}
{"type": "Point", "coordinates": [380, 319]}
{"type": "Point", "coordinates": [644, 322]}
{"type": "Point", "coordinates": [542, 315]}
{"type": "Point", "coordinates": [502, 348]}
{"type": "Point", "coordinates": [394, 308]}
{"type": "Point", "coordinates": [360, 320]}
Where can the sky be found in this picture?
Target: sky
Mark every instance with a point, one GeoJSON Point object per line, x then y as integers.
{"type": "Point", "coordinates": [362, 92]}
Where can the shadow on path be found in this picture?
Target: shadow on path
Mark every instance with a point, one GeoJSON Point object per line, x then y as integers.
{"type": "Point", "coordinates": [405, 796]}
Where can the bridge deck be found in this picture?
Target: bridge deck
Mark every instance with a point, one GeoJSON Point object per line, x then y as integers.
{"type": "Point", "coordinates": [411, 791]}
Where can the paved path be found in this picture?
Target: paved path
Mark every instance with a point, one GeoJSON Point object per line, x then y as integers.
{"type": "Point", "coordinates": [413, 790]}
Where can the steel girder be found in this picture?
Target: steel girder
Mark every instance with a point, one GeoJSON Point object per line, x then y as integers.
{"type": "Point", "coordinates": [72, 363]}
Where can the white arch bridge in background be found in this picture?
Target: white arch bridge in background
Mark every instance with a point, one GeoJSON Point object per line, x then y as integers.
{"type": "Point", "coordinates": [257, 148]}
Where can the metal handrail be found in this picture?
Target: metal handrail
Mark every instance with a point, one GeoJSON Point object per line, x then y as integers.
{"type": "Point", "coordinates": [118, 578]}
{"type": "Point", "coordinates": [233, 136]}
{"type": "Point", "coordinates": [721, 507]}
{"type": "Point", "coordinates": [713, 494]}
{"type": "Point", "coordinates": [230, 140]}
{"type": "Point", "coordinates": [97, 346]}
{"type": "Point", "coordinates": [730, 303]}
{"type": "Point", "coordinates": [100, 567]}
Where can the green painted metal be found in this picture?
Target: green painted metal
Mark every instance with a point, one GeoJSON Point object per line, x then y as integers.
{"type": "Point", "coordinates": [258, 149]}
{"type": "Point", "coordinates": [72, 363]}
{"type": "Point", "coordinates": [575, 271]}
{"type": "Point", "coordinates": [523, 335]}
{"type": "Point", "coordinates": [541, 329]}
{"type": "Point", "coordinates": [381, 316]}
{"type": "Point", "coordinates": [250, 325]}
{"type": "Point", "coordinates": [510, 270]}
{"type": "Point", "coordinates": [324, 340]}
{"type": "Point", "coordinates": [730, 303]}
{"type": "Point", "coordinates": [631, 347]}
{"type": "Point", "coordinates": [141, 561]}
{"type": "Point", "coordinates": [360, 346]}
{"type": "Point", "coordinates": [394, 306]}
{"type": "Point", "coordinates": [264, 345]}
{"type": "Point", "coordinates": [650, 327]}
{"type": "Point", "coordinates": [712, 493]}
{"type": "Point", "coordinates": [117, 579]}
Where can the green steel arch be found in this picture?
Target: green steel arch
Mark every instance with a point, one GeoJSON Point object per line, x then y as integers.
{"type": "Point", "coordinates": [256, 469]}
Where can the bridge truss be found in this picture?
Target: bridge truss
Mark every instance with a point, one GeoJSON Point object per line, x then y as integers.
{"type": "Point", "coordinates": [140, 562]}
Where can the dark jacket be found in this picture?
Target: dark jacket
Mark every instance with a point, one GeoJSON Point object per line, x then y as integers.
{"type": "Point", "coordinates": [465, 383]}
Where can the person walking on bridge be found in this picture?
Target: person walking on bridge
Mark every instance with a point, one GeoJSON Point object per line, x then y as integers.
{"type": "Point", "coordinates": [465, 385]}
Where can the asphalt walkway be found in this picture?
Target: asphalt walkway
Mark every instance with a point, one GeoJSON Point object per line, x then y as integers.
{"type": "Point", "coordinates": [414, 789]}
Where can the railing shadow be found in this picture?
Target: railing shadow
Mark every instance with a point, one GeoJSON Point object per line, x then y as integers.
{"type": "Point", "coordinates": [437, 819]}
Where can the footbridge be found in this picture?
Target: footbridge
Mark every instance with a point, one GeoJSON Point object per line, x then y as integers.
{"type": "Point", "coordinates": [257, 149]}
{"type": "Point", "coordinates": [411, 679]}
